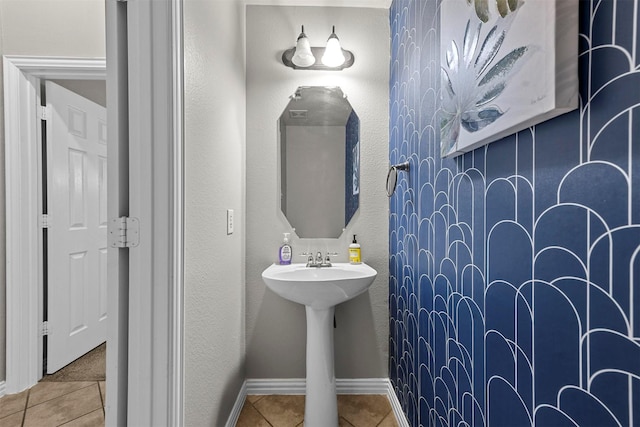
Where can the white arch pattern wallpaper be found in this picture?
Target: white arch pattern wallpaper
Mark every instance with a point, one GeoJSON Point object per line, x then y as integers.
{"type": "Point", "coordinates": [515, 268]}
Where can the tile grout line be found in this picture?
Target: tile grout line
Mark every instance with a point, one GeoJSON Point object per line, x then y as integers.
{"type": "Point", "coordinates": [386, 415]}
{"type": "Point", "coordinates": [26, 406]}
{"type": "Point", "coordinates": [345, 420]}
{"type": "Point", "coordinates": [57, 397]}
{"type": "Point", "coordinates": [49, 400]}
{"type": "Point", "coordinates": [261, 414]}
{"type": "Point", "coordinates": [101, 398]}
{"type": "Point", "coordinates": [80, 416]}
{"type": "Point", "coordinates": [76, 418]}
{"type": "Point", "coordinates": [262, 396]}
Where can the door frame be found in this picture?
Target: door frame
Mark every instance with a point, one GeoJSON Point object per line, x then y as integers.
{"type": "Point", "coordinates": [23, 177]}
{"type": "Point", "coordinates": [145, 127]}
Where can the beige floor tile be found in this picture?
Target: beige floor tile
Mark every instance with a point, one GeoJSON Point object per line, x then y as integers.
{"type": "Point", "coordinates": [341, 423]}
{"type": "Point", "coordinates": [12, 403]}
{"type": "Point", "coordinates": [363, 410]}
{"type": "Point", "coordinates": [44, 391]}
{"type": "Point", "coordinates": [344, 423]}
{"type": "Point", "coordinates": [389, 421]}
{"type": "Point", "coordinates": [64, 408]}
{"type": "Point", "coordinates": [14, 420]}
{"type": "Point", "coordinates": [282, 411]}
{"type": "Point", "coordinates": [250, 417]}
{"type": "Point", "coordinates": [103, 391]}
{"type": "Point", "coordinates": [92, 419]}
{"type": "Point", "coordinates": [253, 398]}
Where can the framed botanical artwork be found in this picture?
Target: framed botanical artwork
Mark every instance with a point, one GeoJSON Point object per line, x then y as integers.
{"type": "Point", "coordinates": [505, 65]}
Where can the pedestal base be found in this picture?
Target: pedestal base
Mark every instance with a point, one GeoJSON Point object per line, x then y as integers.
{"type": "Point", "coordinates": [321, 406]}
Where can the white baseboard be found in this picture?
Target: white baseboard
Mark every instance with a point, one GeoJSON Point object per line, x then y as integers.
{"type": "Point", "coordinates": [362, 385]}
{"type": "Point", "coordinates": [3, 388]}
{"type": "Point", "coordinates": [296, 386]}
{"type": "Point", "coordinates": [237, 407]}
{"type": "Point", "coordinates": [276, 386]}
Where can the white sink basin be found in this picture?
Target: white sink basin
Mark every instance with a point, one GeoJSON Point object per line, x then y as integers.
{"type": "Point", "coordinates": [322, 287]}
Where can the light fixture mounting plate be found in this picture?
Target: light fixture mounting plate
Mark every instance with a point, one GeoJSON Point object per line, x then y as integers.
{"type": "Point", "coordinates": [318, 65]}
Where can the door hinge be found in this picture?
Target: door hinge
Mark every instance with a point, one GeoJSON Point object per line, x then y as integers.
{"type": "Point", "coordinates": [45, 221]}
{"type": "Point", "coordinates": [124, 232]}
{"type": "Point", "coordinates": [45, 328]}
{"type": "Point", "coordinates": [44, 112]}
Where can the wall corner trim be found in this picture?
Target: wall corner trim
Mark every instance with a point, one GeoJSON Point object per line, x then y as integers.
{"type": "Point", "coordinates": [237, 407]}
{"type": "Point", "coordinates": [401, 418]}
{"type": "Point", "coordinates": [2, 388]}
{"type": "Point", "coordinates": [297, 386]}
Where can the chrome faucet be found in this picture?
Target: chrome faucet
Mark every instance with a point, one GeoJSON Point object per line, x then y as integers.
{"type": "Point", "coordinates": [319, 260]}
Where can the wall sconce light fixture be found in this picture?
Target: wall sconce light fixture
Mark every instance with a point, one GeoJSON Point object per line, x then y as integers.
{"type": "Point", "coordinates": [305, 57]}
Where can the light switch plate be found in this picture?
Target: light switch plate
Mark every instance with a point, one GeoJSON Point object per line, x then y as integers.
{"type": "Point", "coordinates": [229, 221]}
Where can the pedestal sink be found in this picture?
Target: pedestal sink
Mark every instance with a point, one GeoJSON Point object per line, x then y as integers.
{"type": "Point", "coordinates": [319, 290]}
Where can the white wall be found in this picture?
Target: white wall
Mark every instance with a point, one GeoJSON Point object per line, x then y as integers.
{"type": "Point", "coordinates": [275, 330]}
{"type": "Point", "coordinates": [43, 28]}
{"type": "Point", "coordinates": [214, 181]}
{"type": "Point", "coordinates": [53, 28]}
{"type": "Point", "coordinates": [93, 90]}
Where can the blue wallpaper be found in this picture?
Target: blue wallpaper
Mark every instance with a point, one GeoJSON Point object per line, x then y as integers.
{"type": "Point", "coordinates": [515, 268]}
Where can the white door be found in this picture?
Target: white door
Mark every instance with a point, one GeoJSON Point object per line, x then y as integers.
{"type": "Point", "coordinates": [77, 232]}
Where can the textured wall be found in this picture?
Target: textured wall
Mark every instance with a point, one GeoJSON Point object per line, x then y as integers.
{"type": "Point", "coordinates": [275, 327]}
{"type": "Point", "coordinates": [514, 290]}
{"type": "Point", "coordinates": [214, 144]}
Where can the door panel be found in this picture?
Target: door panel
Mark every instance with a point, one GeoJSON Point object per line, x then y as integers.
{"type": "Point", "coordinates": [77, 234]}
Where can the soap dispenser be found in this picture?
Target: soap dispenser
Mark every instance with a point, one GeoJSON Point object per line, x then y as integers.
{"type": "Point", "coordinates": [284, 254]}
{"type": "Point", "coordinates": [354, 252]}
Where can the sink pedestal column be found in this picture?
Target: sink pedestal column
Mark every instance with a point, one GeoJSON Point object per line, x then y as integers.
{"type": "Point", "coordinates": [321, 405]}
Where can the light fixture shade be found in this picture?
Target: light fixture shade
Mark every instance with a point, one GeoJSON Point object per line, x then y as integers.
{"type": "Point", "coordinates": [333, 56]}
{"type": "Point", "coordinates": [303, 56]}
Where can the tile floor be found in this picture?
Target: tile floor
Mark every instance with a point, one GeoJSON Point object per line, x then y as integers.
{"type": "Point", "coordinates": [81, 404]}
{"type": "Point", "coordinates": [53, 404]}
{"type": "Point", "coordinates": [288, 411]}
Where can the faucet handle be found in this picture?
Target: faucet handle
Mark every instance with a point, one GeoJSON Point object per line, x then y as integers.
{"type": "Point", "coordinates": [310, 261]}
{"type": "Point", "coordinates": [327, 259]}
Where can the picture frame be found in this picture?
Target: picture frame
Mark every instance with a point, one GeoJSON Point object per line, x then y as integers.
{"type": "Point", "coordinates": [506, 65]}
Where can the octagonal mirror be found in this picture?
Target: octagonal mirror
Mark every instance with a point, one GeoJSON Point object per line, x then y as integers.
{"type": "Point", "coordinates": [319, 162]}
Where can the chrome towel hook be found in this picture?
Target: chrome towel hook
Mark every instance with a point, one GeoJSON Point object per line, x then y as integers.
{"type": "Point", "coordinates": [392, 176]}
